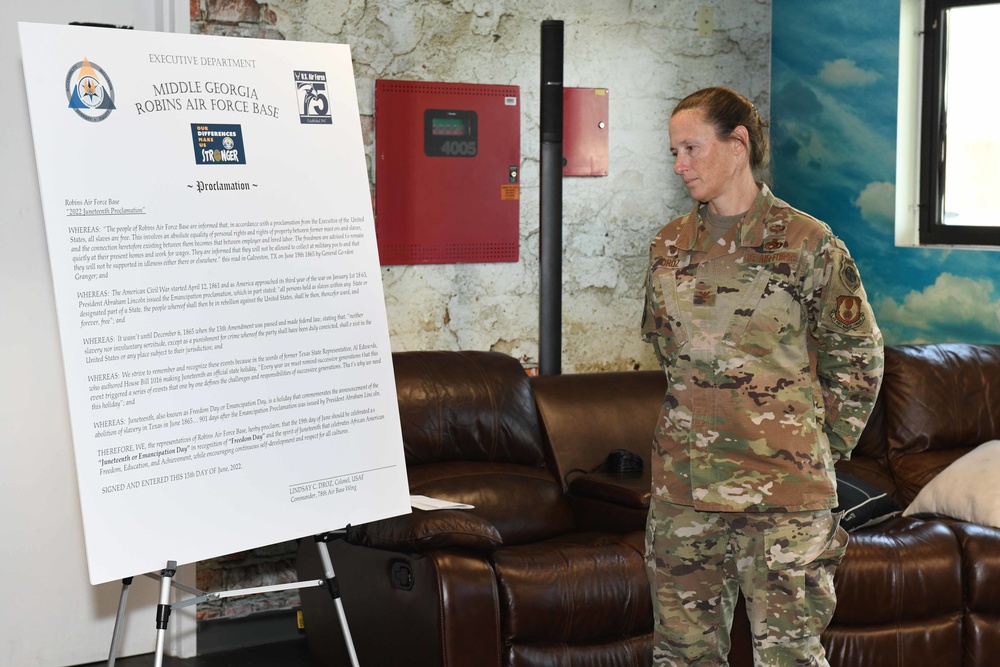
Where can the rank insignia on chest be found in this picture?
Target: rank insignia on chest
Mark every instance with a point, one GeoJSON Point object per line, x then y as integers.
{"type": "Point", "coordinates": [848, 313]}
{"type": "Point", "coordinates": [704, 294]}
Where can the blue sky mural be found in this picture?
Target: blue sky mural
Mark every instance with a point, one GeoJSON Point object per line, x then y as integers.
{"type": "Point", "coordinates": [833, 135]}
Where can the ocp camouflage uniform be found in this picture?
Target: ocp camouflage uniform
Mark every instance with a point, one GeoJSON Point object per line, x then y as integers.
{"type": "Point", "coordinates": [773, 361]}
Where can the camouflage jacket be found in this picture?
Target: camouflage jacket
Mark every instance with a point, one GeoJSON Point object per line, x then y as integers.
{"type": "Point", "coordinates": [772, 355]}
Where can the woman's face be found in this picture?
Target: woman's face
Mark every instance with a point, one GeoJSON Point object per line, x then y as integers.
{"type": "Point", "coordinates": [707, 164]}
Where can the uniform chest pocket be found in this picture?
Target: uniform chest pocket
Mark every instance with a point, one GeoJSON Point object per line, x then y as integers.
{"type": "Point", "coordinates": [666, 312]}
{"type": "Point", "coordinates": [768, 311]}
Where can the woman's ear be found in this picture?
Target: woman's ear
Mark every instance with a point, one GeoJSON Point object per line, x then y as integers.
{"type": "Point", "coordinates": [742, 140]}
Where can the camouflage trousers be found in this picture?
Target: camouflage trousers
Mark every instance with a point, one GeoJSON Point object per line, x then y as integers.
{"type": "Point", "coordinates": [698, 562]}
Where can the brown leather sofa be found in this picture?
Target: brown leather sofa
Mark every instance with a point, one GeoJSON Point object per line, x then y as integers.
{"type": "Point", "coordinates": [517, 580]}
{"type": "Point", "coordinates": [913, 591]}
{"type": "Point", "coordinates": [547, 569]}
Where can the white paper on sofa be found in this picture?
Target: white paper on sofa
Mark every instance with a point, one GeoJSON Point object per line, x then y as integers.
{"type": "Point", "coordinates": [428, 503]}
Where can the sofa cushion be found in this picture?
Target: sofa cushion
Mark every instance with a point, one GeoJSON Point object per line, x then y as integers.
{"type": "Point", "coordinates": [582, 588]}
{"type": "Point", "coordinates": [586, 416]}
{"type": "Point", "coordinates": [862, 503]}
{"type": "Point", "coordinates": [940, 400]}
{"type": "Point", "coordinates": [901, 570]}
{"type": "Point", "coordinates": [968, 489]}
{"type": "Point", "coordinates": [526, 504]}
{"type": "Point", "coordinates": [899, 597]}
{"type": "Point", "coordinates": [466, 406]}
{"type": "Point", "coordinates": [981, 562]}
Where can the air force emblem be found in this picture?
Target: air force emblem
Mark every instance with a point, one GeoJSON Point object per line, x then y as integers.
{"type": "Point", "coordinates": [848, 313]}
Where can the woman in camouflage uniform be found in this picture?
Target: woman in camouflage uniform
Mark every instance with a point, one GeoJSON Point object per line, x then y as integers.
{"type": "Point", "coordinates": [773, 361]}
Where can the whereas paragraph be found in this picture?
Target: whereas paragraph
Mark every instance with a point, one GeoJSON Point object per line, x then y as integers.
{"type": "Point", "coordinates": [97, 250]}
{"type": "Point", "coordinates": [121, 388]}
{"type": "Point", "coordinates": [113, 306]}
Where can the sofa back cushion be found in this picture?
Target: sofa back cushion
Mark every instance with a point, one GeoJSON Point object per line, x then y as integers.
{"type": "Point", "coordinates": [586, 416]}
{"type": "Point", "coordinates": [872, 443]}
{"type": "Point", "coordinates": [869, 460]}
{"type": "Point", "coordinates": [471, 435]}
{"type": "Point", "coordinates": [466, 406]}
{"type": "Point", "coordinates": [941, 401]}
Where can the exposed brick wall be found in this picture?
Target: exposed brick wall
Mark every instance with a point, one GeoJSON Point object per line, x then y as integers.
{"type": "Point", "coordinates": [234, 18]}
{"type": "Point", "coordinates": [265, 566]}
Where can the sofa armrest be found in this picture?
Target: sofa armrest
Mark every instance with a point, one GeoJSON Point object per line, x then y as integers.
{"type": "Point", "coordinates": [613, 502]}
{"type": "Point", "coordinates": [625, 489]}
{"type": "Point", "coordinates": [421, 530]}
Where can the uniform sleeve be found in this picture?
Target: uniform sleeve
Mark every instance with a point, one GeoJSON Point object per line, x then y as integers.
{"type": "Point", "coordinates": [648, 326]}
{"type": "Point", "coordinates": [848, 344]}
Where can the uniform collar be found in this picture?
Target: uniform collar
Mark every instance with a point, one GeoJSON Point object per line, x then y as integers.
{"type": "Point", "coordinates": [750, 230]}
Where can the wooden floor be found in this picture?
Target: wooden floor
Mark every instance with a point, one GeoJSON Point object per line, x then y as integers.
{"type": "Point", "coordinates": [280, 654]}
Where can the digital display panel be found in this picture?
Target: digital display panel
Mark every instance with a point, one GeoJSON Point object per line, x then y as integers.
{"type": "Point", "coordinates": [450, 133]}
{"type": "Point", "coordinates": [448, 127]}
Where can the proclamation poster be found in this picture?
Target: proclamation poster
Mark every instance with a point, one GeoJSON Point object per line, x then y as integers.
{"type": "Point", "coordinates": [218, 291]}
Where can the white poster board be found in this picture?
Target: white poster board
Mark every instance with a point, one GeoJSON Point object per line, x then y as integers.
{"type": "Point", "coordinates": [218, 291]}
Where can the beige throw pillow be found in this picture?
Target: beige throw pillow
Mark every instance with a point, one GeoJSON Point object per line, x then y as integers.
{"type": "Point", "coordinates": [968, 489]}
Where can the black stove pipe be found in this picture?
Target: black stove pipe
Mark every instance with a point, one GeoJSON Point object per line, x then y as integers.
{"type": "Point", "coordinates": [550, 202]}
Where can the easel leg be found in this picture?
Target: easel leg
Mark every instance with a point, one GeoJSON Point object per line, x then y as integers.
{"type": "Point", "coordinates": [165, 607]}
{"type": "Point", "coordinates": [334, 589]}
{"type": "Point", "coordinates": [116, 638]}
{"type": "Point", "coordinates": [163, 611]}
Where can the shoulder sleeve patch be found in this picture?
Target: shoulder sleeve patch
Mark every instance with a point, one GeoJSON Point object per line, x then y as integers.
{"type": "Point", "coordinates": [845, 306]}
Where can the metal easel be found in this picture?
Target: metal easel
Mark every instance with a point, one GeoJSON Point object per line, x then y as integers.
{"type": "Point", "coordinates": [166, 578]}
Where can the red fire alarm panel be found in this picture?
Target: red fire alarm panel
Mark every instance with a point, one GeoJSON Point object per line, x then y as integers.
{"type": "Point", "coordinates": [447, 172]}
{"type": "Point", "coordinates": [585, 131]}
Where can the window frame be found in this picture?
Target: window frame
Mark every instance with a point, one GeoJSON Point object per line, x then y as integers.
{"type": "Point", "coordinates": [933, 129]}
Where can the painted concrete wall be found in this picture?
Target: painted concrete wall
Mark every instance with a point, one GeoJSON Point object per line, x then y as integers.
{"type": "Point", "coordinates": [648, 53]}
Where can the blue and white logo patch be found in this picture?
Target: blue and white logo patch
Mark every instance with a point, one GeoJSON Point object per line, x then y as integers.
{"type": "Point", "coordinates": [216, 143]}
